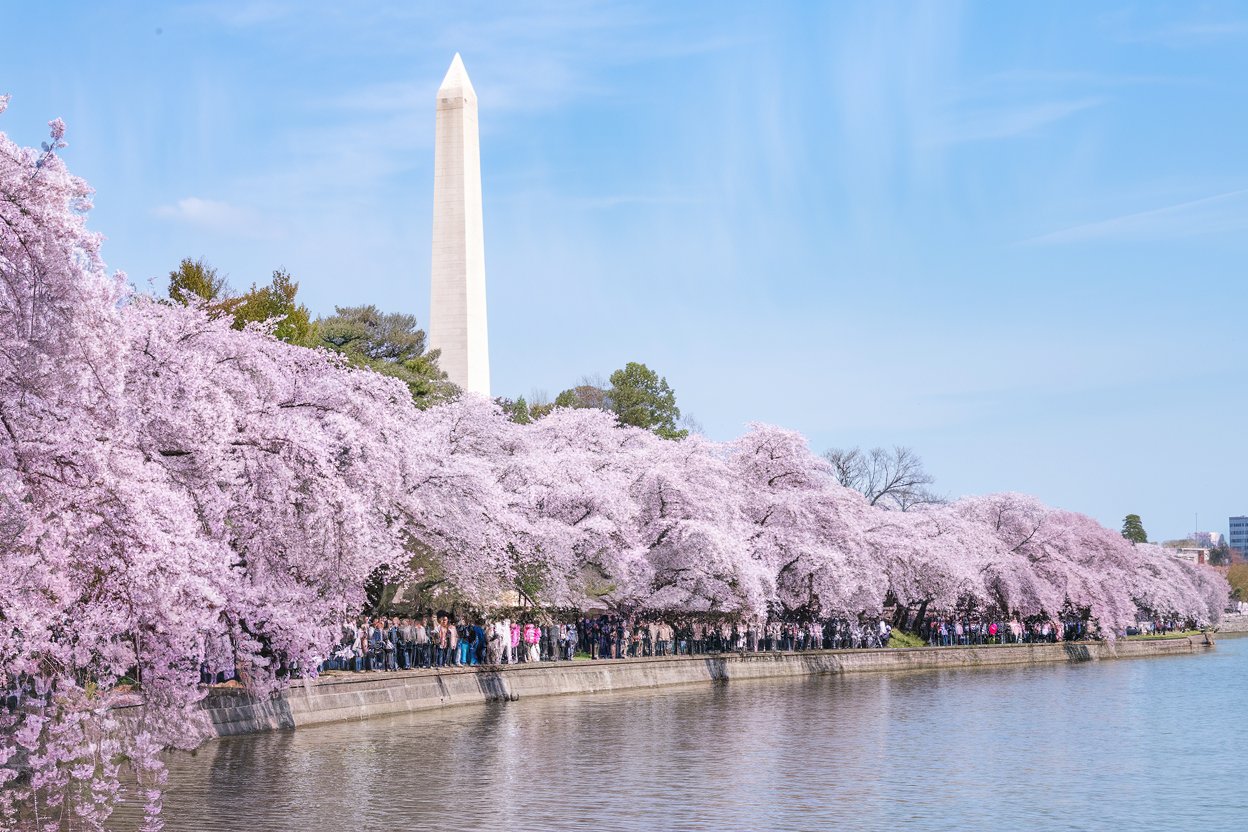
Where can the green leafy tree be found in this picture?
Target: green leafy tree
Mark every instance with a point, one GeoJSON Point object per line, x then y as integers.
{"type": "Point", "coordinates": [540, 407]}
{"type": "Point", "coordinates": [637, 396]}
{"type": "Point", "coordinates": [389, 342]}
{"type": "Point", "coordinates": [1133, 529]}
{"type": "Point", "coordinates": [584, 396]}
{"type": "Point", "coordinates": [1220, 555]}
{"type": "Point", "coordinates": [195, 280]}
{"type": "Point", "coordinates": [1237, 576]}
{"type": "Point", "coordinates": [642, 398]}
{"type": "Point", "coordinates": [275, 302]}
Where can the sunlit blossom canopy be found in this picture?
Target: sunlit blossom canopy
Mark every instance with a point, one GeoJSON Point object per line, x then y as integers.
{"type": "Point", "coordinates": [173, 491]}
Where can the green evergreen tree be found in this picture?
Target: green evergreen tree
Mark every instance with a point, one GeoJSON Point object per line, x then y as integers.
{"type": "Point", "coordinates": [517, 410]}
{"type": "Point", "coordinates": [1133, 529]}
{"type": "Point", "coordinates": [520, 414]}
{"type": "Point", "coordinates": [642, 398]}
{"type": "Point", "coordinates": [390, 343]}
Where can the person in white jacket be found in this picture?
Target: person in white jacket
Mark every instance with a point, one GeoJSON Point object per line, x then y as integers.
{"type": "Point", "coordinates": [504, 634]}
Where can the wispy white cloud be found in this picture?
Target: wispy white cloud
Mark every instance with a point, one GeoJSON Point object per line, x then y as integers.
{"type": "Point", "coordinates": [530, 58]}
{"type": "Point", "coordinates": [217, 216]}
{"type": "Point", "coordinates": [615, 200]}
{"type": "Point", "coordinates": [351, 152]}
{"type": "Point", "coordinates": [599, 201]}
{"type": "Point", "coordinates": [1190, 33]}
{"type": "Point", "coordinates": [889, 65]}
{"type": "Point", "coordinates": [547, 84]}
{"type": "Point", "coordinates": [1085, 79]}
{"type": "Point", "coordinates": [243, 15]}
{"type": "Point", "coordinates": [1007, 122]}
{"type": "Point", "coordinates": [1209, 215]}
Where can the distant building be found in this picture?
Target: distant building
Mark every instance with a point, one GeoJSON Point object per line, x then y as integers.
{"type": "Point", "coordinates": [1210, 540]}
{"type": "Point", "coordinates": [1239, 534]}
{"type": "Point", "coordinates": [1192, 554]}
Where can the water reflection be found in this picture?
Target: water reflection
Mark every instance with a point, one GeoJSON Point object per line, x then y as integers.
{"type": "Point", "coordinates": [1110, 745]}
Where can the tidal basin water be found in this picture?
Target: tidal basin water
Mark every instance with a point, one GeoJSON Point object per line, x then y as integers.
{"type": "Point", "coordinates": [1144, 744]}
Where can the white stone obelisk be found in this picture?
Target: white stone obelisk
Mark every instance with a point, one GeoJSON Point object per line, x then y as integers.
{"type": "Point", "coordinates": [457, 324]}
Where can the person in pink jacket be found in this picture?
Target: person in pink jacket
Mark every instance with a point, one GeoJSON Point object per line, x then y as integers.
{"type": "Point", "coordinates": [515, 637]}
{"type": "Point", "coordinates": [532, 635]}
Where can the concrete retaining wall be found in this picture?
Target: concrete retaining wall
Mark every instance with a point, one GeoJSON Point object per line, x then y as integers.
{"type": "Point", "coordinates": [1237, 623]}
{"type": "Point", "coordinates": [360, 695]}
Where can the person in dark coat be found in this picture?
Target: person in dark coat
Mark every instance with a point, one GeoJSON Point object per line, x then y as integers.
{"type": "Point", "coordinates": [478, 642]}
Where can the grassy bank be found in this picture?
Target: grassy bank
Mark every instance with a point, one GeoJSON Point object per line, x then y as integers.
{"type": "Point", "coordinates": [1158, 636]}
{"type": "Point", "coordinates": [901, 638]}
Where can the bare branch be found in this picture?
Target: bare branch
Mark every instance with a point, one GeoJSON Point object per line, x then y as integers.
{"type": "Point", "coordinates": [889, 479]}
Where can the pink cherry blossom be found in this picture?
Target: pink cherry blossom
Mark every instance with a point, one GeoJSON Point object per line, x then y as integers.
{"type": "Point", "coordinates": [175, 493]}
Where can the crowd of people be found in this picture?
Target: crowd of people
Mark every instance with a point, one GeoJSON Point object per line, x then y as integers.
{"type": "Point", "coordinates": [952, 631]}
{"type": "Point", "coordinates": [444, 640]}
{"type": "Point", "coordinates": [1158, 625]}
{"type": "Point", "coordinates": [434, 640]}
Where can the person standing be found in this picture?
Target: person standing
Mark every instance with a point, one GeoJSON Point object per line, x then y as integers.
{"type": "Point", "coordinates": [503, 628]}
{"type": "Point", "coordinates": [452, 642]}
{"type": "Point", "coordinates": [389, 653]}
{"type": "Point", "coordinates": [532, 635]}
{"type": "Point", "coordinates": [593, 638]}
{"type": "Point", "coordinates": [361, 645]}
{"type": "Point", "coordinates": [376, 652]}
{"type": "Point", "coordinates": [494, 644]}
{"type": "Point", "coordinates": [420, 640]}
{"type": "Point", "coordinates": [621, 639]}
{"type": "Point", "coordinates": [467, 643]}
{"type": "Point", "coordinates": [478, 641]}
{"type": "Point", "coordinates": [550, 640]}
{"type": "Point", "coordinates": [407, 642]}
{"type": "Point", "coordinates": [560, 637]}
{"type": "Point", "coordinates": [442, 641]}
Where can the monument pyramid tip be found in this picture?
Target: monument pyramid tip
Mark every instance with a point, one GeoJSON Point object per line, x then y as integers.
{"type": "Point", "coordinates": [456, 76]}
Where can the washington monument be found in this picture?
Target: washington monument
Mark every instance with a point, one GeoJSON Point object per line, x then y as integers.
{"type": "Point", "coordinates": [457, 323]}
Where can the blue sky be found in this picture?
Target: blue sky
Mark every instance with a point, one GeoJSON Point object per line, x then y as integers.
{"type": "Point", "coordinates": [1012, 236]}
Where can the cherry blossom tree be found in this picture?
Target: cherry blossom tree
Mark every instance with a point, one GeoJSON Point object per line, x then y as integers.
{"type": "Point", "coordinates": [804, 526]}
{"type": "Point", "coordinates": [571, 476]}
{"type": "Point", "coordinates": [694, 534]}
{"type": "Point", "coordinates": [172, 490]}
{"type": "Point", "coordinates": [175, 493]}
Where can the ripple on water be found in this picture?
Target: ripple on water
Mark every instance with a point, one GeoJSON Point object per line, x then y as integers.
{"type": "Point", "coordinates": [1144, 744]}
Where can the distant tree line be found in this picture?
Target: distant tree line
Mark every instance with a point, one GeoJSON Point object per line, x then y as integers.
{"type": "Point", "coordinates": [389, 342]}
{"type": "Point", "coordinates": [393, 344]}
{"type": "Point", "coordinates": [637, 396]}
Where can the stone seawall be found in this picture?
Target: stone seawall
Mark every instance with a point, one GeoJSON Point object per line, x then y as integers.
{"type": "Point", "coordinates": [357, 696]}
{"type": "Point", "coordinates": [1234, 623]}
